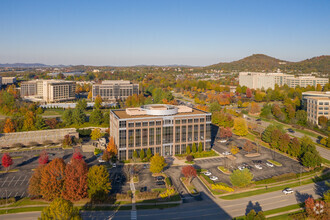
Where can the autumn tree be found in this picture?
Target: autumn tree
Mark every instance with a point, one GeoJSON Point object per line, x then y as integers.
{"type": "Point", "coordinates": [98, 183]}
{"type": "Point", "coordinates": [294, 147]}
{"type": "Point", "coordinates": [322, 120]}
{"type": "Point", "coordinates": [225, 133]}
{"type": "Point", "coordinates": [6, 161]}
{"type": "Point", "coordinates": [111, 148]}
{"type": "Point", "coordinates": [255, 108]}
{"type": "Point", "coordinates": [316, 209]}
{"type": "Point", "coordinates": [67, 140]}
{"type": "Point", "coordinates": [248, 146]}
{"type": "Point", "coordinates": [241, 178]}
{"type": "Point", "coordinates": [157, 163]}
{"type": "Point", "coordinates": [60, 208]}
{"type": "Point", "coordinates": [98, 102]}
{"type": "Point", "coordinates": [234, 150]}
{"type": "Point", "coordinates": [77, 154]}
{"type": "Point", "coordinates": [283, 142]}
{"type": "Point", "coordinates": [189, 172]}
{"type": "Point", "coordinates": [9, 126]}
{"type": "Point", "coordinates": [51, 123]}
{"type": "Point", "coordinates": [43, 158]}
{"type": "Point", "coordinates": [96, 134]}
{"type": "Point", "coordinates": [75, 180]}
{"type": "Point", "coordinates": [240, 127]}
{"type": "Point", "coordinates": [29, 121]}
{"type": "Point", "coordinates": [248, 93]}
{"type": "Point", "coordinates": [52, 179]}
{"type": "Point", "coordinates": [35, 180]}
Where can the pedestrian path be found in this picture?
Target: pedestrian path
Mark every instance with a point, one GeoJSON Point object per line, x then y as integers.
{"type": "Point", "coordinates": [133, 212]}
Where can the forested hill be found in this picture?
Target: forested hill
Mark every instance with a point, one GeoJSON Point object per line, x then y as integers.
{"type": "Point", "coordinates": [261, 62]}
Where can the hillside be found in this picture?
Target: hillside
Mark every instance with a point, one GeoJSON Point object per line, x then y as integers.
{"type": "Point", "coordinates": [261, 62]}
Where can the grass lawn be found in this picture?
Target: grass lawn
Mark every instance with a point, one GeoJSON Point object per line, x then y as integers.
{"type": "Point", "coordinates": [224, 170]}
{"type": "Point", "coordinates": [275, 163]}
{"type": "Point", "coordinates": [283, 209]}
{"type": "Point", "coordinates": [55, 112]}
{"type": "Point", "coordinates": [189, 186]}
{"type": "Point", "coordinates": [210, 153]}
{"type": "Point", "coordinates": [28, 201]}
{"type": "Point", "coordinates": [162, 206]}
{"type": "Point", "coordinates": [30, 209]}
{"type": "Point", "coordinates": [9, 171]}
{"type": "Point", "coordinates": [18, 157]}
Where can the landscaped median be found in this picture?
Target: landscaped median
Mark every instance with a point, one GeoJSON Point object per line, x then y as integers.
{"type": "Point", "coordinates": [214, 188]}
{"type": "Point", "coordinates": [189, 186]}
{"type": "Point", "coordinates": [224, 170]}
{"type": "Point", "coordinates": [275, 163]}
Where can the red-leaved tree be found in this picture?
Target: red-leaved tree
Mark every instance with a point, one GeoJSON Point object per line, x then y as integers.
{"type": "Point", "coordinates": [189, 172]}
{"type": "Point", "coordinates": [248, 93]}
{"type": "Point", "coordinates": [225, 133]}
{"type": "Point", "coordinates": [6, 161]}
{"type": "Point", "coordinates": [43, 158]}
{"type": "Point", "coordinates": [316, 209]}
{"type": "Point", "coordinates": [75, 181]}
{"type": "Point", "coordinates": [77, 155]}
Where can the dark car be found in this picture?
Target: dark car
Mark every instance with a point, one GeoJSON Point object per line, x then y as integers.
{"type": "Point", "coordinates": [290, 130]}
{"type": "Point", "coordinates": [143, 189]}
{"type": "Point", "coordinates": [258, 119]}
{"type": "Point", "coordinates": [159, 183]}
{"type": "Point", "coordinates": [159, 178]}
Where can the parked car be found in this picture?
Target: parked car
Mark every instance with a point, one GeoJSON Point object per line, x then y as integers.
{"type": "Point", "coordinates": [159, 183]}
{"type": "Point", "coordinates": [258, 119]}
{"type": "Point", "coordinates": [102, 161]}
{"type": "Point", "coordinates": [159, 178]}
{"type": "Point", "coordinates": [226, 153]}
{"type": "Point", "coordinates": [241, 167]}
{"type": "Point", "coordinates": [287, 191]}
{"type": "Point", "coordinates": [258, 167]}
{"type": "Point", "coordinates": [290, 130]}
{"type": "Point", "coordinates": [114, 165]}
{"type": "Point", "coordinates": [207, 173]}
{"type": "Point", "coordinates": [270, 164]}
{"type": "Point", "coordinates": [214, 178]}
{"type": "Point", "coordinates": [222, 141]}
{"type": "Point", "coordinates": [143, 189]}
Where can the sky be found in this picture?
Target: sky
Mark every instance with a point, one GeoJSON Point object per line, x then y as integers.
{"type": "Point", "coordinates": [161, 32]}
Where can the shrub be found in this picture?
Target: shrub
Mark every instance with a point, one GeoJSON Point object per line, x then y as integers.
{"type": "Point", "coordinates": [97, 151]}
{"type": "Point", "coordinates": [190, 158]}
{"type": "Point", "coordinates": [168, 181]}
{"type": "Point", "coordinates": [221, 187]}
{"type": "Point", "coordinates": [9, 200]}
{"type": "Point", "coordinates": [167, 193]}
{"type": "Point", "coordinates": [17, 145]}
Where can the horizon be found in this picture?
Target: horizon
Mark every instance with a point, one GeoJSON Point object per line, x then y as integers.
{"type": "Point", "coordinates": [155, 33]}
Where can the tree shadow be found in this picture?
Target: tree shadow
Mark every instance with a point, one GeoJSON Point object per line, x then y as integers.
{"type": "Point", "coordinates": [301, 197]}
{"type": "Point", "coordinates": [28, 161]}
{"type": "Point", "coordinates": [256, 207]}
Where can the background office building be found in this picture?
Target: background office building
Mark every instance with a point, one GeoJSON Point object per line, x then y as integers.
{"type": "Point", "coordinates": [165, 129]}
{"type": "Point", "coordinates": [256, 80]}
{"type": "Point", "coordinates": [309, 94]}
{"type": "Point", "coordinates": [110, 90]}
{"type": "Point", "coordinates": [317, 107]}
{"type": "Point", "coordinates": [48, 90]}
{"type": "Point", "coordinates": [8, 80]}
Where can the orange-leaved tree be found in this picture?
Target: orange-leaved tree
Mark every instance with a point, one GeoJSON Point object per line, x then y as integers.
{"type": "Point", "coordinates": [52, 179]}
{"type": "Point", "coordinates": [9, 126]}
{"type": "Point", "coordinates": [112, 149]}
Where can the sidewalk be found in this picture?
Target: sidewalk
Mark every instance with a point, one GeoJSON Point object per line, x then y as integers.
{"type": "Point", "coordinates": [282, 213]}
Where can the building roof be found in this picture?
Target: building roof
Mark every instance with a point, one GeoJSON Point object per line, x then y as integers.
{"type": "Point", "coordinates": [319, 98]}
{"type": "Point", "coordinates": [146, 111]}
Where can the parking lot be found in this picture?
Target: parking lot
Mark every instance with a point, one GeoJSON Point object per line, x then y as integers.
{"type": "Point", "coordinates": [146, 180]}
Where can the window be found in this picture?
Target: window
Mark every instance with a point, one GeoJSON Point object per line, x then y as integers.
{"type": "Point", "coordinates": [189, 132]}
{"type": "Point", "coordinates": [158, 136]}
{"type": "Point", "coordinates": [184, 121]}
{"type": "Point", "coordinates": [151, 123]}
{"type": "Point", "coordinates": [177, 134]}
{"type": "Point", "coordinates": [144, 124]}
{"type": "Point", "coordinates": [208, 131]}
{"type": "Point", "coordinates": [137, 124]}
{"type": "Point", "coordinates": [183, 148]}
{"type": "Point", "coordinates": [130, 138]}
{"type": "Point", "coordinates": [168, 122]}
{"type": "Point", "coordinates": [201, 120]}
{"type": "Point", "coordinates": [158, 150]}
{"type": "Point", "coordinates": [122, 155]}
{"type": "Point", "coordinates": [151, 136]}
{"type": "Point", "coordinates": [122, 139]}
{"type": "Point", "coordinates": [137, 137]}
{"type": "Point", "coordinates": [131, 125]}
{"type": "Point", "coordinates": [196, 120]}
{"type": "Point", "coordinates": [320, 108]}
{"type": "Point", "coordinates": [122, 124]}
{"type": "Point", "coordinates": [177, 121]}
{"type": "Point", "coordinates": [158, 122]}
{"type": "Point", "coordinates": [201, 132]}
{"type": "Point", "coordinates": [130, 154]}
{"type": "Point", "coordinates": [184, 133]}
{"type": "Point", "coordinates": [195, 132]}
{"type": "Point", "coordinates": [177, 149]}
{"type": "Point", "coordinates": [208, 118]}
{"type": "Point", "coordinates": [321, 103]}
{"type": "Point", "coordinates": [190, 120]}
{"type": "Point", "coordinates": [167, 135]}
{"type": "Point", "coordinates": [144, 136]}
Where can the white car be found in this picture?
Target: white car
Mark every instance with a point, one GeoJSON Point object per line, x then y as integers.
{"type": "Point", "coordinates": [258, 167]}
{"type": "Point", "coordinates": [287, 191]}
{"type": "Point", "coordinates": [222, 141]}
{"type": "Point", "coordinates": [114, 165]}
{"type": "Point", "coordinates": [207, 173]}
{"type": "Point", "coordinates": [226, 153]}
{"type": "Point", "coordinates": [241, 167]}
{"type": "Point", "coordinates": [270, 164]}
{"type": "Point", "coordinates": [101, 161]}
{"type": "Point", "coordinates": [213, 178]}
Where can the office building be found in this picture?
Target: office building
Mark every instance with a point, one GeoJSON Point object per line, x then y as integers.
{"type": "Point", "coordinates": [256, 80]}
{"type": "Point", "coordinates": [165, 129]}
{"type": "Point", "coordinates": [309, 94]}
{"type": "Point", "coordinates": [317, 107]}
{"type": "Point", "coordinates": [48, 90]}
{"type": "Point", "coordinates": [110, 90]}
{"type": "Point", "coordinates": [8, 80]}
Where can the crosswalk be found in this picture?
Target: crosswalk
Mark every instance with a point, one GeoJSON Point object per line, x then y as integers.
{"type": "Point", "coordinates": [133, 215]}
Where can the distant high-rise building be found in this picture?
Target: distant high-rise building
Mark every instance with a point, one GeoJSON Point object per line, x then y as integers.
{"type": "Point", "coordinates": [8, 80]}
{"type": "Point", "coordinates": [49, 90]}
{"type": "Point", "coordinates": [164, 129]}
{"type": "Point", "coordinates": [111, 90]}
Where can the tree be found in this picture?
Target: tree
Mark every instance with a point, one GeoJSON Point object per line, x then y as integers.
{"type": "Point", "coordinates": [248, 93]}
{"type": "Point", "coordinates": [248, 146]}
{"type": "Point", "coordinates": [111, 148]}
{"type": "Point", "coordinates": [60, 209]}
{"type": "Point", "coordinates": [290, 110]}
{"type": "Point", "coordinates": [51, 123]}
{"type": "Point", "coordinates": [98, 183]}
{"type": "Point", "coordinates": [200, 147]}
{"type": "Point", "coordinates": [252, 215]}
{"type": "Point", "coordinates": [67, 140]}
{"type": "Point", "coordinates": [239, 104]}
{"type": "Point", "coordinates": [188, 149]}
{"type": "Point", "coordinates": [98, 102]}
{"type": "Point", "coordinates": [241, 178]}
{"type": "Point", "coordinates": [43, 158]}
{"type": "Point", "coordinates": [34, 183]}
{"type": "Point", "coordinates": [40, 123]}
{"type": "Point", "coordinates": [149, 154]}
{"type": "Point", "coordinates": [157, 163]}
{"type": "Point", "coordinates": [6, 161]}
{"type": "Point", "coordinates": [294, 147]}
{"type": "Point", "coordinates": [240, 127]}
{"type": "Point", "coordinates": [78, 116]}
{"type": "Point", "coordinates": [29, 121]}
{"type": "Point", "coordinates": [323, 121]}
{"type": "Point", "coordinates": [255, 108]}
{"type": "Point", "coordinates": [225, 133]}
{"type": "Point", "coordinates": [189, 158]}
{"type": "Point", "coordinates": [96, 134]}
{"type": "Point", "coordinates": [75, 181]}
{"type": "Point", "coordinates": [316, 209]}
{"type": "Point", "coordinates": [106, 155]}
{"type": "Point", "coordinates": [9, 126]}
{"type": "Point", "coordinates": [67, 117]}
{"type": "Point", "coordinates": [284, 142]}
{"type": "Point", "coordinates": [142, 154]}
{"type": "Point", "coordinates": [276, 135]}
{"type": "Point", "coordinates": [194, 148]}
{"type": "Point", "coordinates": [234, 150]}
{"type": "Point", "coordinates": [311, 159]}
{"type": "Point", "coordinates": [82, 104]}
{"type": "Point", "coordinates": [135, 155]}
{"type": "Point", "coordinates": [52, 179]}
{"type": "Point", "coordinates": [189, 172]}
{"type": "Point", "coordinates": [267, 134]}
{"type": "Point", "coordinates": [301, 117]}
{"type": "Point", "coordinates": [96, 117]}
{"type": "Point", "coordinates": [77, 154]}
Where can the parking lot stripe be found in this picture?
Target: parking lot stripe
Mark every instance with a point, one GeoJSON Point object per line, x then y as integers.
{"type": "Point", "coordinates": [4, 182]}
{"type": "Point", "coordinates": [22, 195]}
{"type": "Point", "coordinates": [16, 194]}
{"type": "Point", "coordinates": [23, 180]}
{"type": "Point", "coordinates": [11, 181]}
{"type": "Point", "coordinates": [17, 180]}
{"type": "Point", "coordinates": [9, 194]}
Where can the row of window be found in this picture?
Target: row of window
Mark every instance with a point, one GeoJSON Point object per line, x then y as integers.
{"type": "Point", "coordinates": [123, 124]}
{"type": "Point", "coordinates": [166, 135]}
